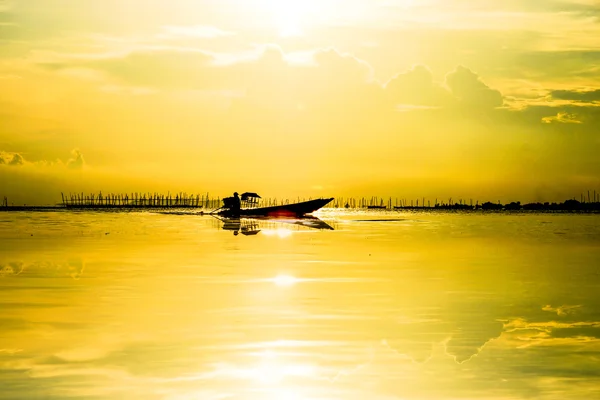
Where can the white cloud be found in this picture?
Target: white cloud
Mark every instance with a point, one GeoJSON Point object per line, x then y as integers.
{"type": "Point", "coordinates": [193, 31]}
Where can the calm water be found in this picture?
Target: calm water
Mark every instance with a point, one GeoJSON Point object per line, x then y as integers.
{"type": "Point", "coordinates": [386, 306]}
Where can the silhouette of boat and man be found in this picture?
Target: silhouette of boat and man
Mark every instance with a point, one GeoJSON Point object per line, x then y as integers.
{"type": "Point", "coordinates": [243, 214]}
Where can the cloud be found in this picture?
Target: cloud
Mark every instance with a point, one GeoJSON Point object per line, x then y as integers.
{"type": "Point", "coordinates": [272, 79]}
{"type": "Point", "coordinates": [12, 159]}
{"type": "Point", "coordinates": [11, 268]}
{"type": "Point", "coordinates": [416, 87]}
{"type": "Point", "coordinates": [330, 98]}
{"type": "Point", "coordinates": [545, 6]}
{"type": "Point", "coordinates": [44, 269]}
{"type": "Point", "coordinates": [470, 339]}
{"type": "Point", "coordinates": [159, 68]}
{"type": "Point", "coordinates": [193, 31]}
{"type": "Point", "coordinates": [343, 66]}
{"type": "Point", "coordinates": [587, 96]}
{"type": "Point", "coordinates": [77, 161]}
{"type": "Point", "coordinates": [557, 65]}
{"type": "Point", "coordinates": [470, 90]}
{"type": "Point", "coordinates": [562, 118]}
{"type": "Point", "coordinates": [562, 310]}
{"type": "Point", "coordinates": [566, 116]}
{"type": "Point", "coordinates": [556, 338]}
{"type": "Point", "coordinates": [589, 332]}
{"type": "Point", "coordinates": [18, 160]}
{"type": "Point", "coordinates": [26, 181]}
{"type": "Point", "coordinates": [11, 351]}
{"type": "Point", "coordinates": [325, 83]}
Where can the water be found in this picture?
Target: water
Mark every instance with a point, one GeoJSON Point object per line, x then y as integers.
{"type": "Point", "coordinates": [386, 306]}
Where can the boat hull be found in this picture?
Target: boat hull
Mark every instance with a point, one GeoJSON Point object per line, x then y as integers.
{"type": "Point", "coordinates": [288, 210]}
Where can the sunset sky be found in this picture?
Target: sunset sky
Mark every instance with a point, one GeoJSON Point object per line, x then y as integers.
{"type": "Point", "coordinates": [490, 100]}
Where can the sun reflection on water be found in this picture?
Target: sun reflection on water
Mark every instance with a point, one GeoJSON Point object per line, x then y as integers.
{"type": "Point", "coordinates": [271, 368]}
{"type": "Point", "coordinates": [280, 232]}
{"type": "Point", "coordinates": [285, 280]}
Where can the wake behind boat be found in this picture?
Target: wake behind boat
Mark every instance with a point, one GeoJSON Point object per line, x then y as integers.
{"type": "Point", "coordinates": [250, 207]}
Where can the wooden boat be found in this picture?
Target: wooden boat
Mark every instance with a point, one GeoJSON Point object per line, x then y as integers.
{"type": "Point", "coordinates": [377, 207]}
{"type": "Point", "coordinates": [287, 210]}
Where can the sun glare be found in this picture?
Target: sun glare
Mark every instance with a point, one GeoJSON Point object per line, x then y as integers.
{"type": "Point", "coordinates": [290, 16]}
{"type": "Point", "coordinates": [285, 280]}
{"type": "Point", "coordinates": [272, 369]}
{"type": "Point", "coordinates": [280, 232]}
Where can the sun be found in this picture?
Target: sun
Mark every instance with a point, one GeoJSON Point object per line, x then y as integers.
{"type": "Point", "coordinates": [291, 16]}
{"type": "Point", "coordinates": [297, 17]}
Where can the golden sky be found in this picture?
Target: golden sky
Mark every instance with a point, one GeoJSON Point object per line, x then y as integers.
{"type": "Point", "coordinates": [471, 99]}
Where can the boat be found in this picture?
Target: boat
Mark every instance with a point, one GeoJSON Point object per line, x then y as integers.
{"type": "Point", "coordinates": [285, 210]}
{"type": "Point", "coordinates": [377, 207]}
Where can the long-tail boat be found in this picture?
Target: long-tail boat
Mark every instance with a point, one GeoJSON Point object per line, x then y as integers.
{"type": "Point", "coordinates": [250, 207]}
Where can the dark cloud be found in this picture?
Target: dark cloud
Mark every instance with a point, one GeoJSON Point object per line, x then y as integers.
{"type": "Point", "coordinates": [587, 96]}
{"type": "Point", "coordinates": [572, 117]}
{"type": "Point", "coordinates": [470, 90]}
{"type": "Point", "coordinates": [13, 159]}
{"type": "Point", "coordinates": [17, 160]}
{"type": "Point", "coordinates": [12, 268]}
{"type": "Point", "coordinates": [15, 324]}
{"type": "Point", "coordinates": [556, 65]}
{"type": "Point", "coordinates": [532, 6]}
{"type": "Point", "coordinates": [577, 331]}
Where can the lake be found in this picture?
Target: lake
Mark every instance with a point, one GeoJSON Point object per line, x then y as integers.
{"type": "Point", "coordinates": [387, 305]}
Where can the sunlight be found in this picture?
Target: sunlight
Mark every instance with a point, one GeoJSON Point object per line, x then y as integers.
{"type": "Point", "coordinates": [404, 4]}
{"type": "Point", "coordinates": [290, 16]}
{"type": "Point", "coordinates": [281, 232]}
{"type": "Point", "coordinates": [271, 369]}
{"type": "Point", "coordinates": [285, 280]}
{"type": "Point", "coordinates": [284, 233]}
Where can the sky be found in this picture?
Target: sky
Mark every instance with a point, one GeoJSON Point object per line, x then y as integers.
{"type": "Point", "coordinates": [465, 99]}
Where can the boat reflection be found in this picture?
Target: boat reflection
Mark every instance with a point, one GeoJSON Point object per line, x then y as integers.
{"type": "Point", "coordinates": [252, 226]}
{"type": "Point", "coordinates": [237, 226]}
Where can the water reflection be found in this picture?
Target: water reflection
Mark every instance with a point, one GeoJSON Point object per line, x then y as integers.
{"type": "Point", "coordinates": [271, 226]}
{"type": "Point", "coordinates": [170, 307]}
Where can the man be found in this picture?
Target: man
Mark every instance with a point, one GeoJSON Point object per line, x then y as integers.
{"type": "Point", "coordinates": [236, 205]}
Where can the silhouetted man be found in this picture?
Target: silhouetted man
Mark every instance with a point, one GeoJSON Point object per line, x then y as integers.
{"type": "Point", "coordinates": [236, 205]}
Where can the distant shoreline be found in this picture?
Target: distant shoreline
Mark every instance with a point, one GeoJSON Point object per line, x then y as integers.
{"type": "Point", "coordinates": [398, 210]}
